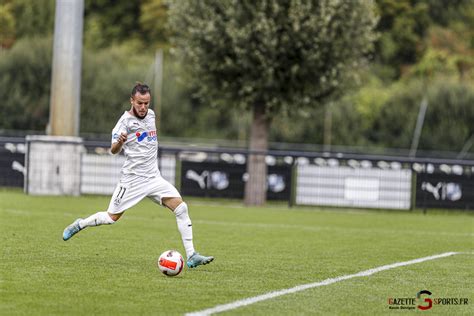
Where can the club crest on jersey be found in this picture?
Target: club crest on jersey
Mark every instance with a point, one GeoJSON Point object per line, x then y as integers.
{"type": "Point", "coordinates": [150, 136]}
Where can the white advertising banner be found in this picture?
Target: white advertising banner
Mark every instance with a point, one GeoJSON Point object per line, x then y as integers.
{"type": "Point", "coordinates": [350, 187]}
{"type": "Point", "coordinates": [53, 165]}
{"type": "Point", "coordinates": [101, 173]}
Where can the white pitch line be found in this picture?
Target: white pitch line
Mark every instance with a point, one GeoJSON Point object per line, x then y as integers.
{"type": "Point", "coordinates": [270, 295]}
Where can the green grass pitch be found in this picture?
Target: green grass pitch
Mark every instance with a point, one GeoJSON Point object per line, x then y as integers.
{"type": "Point", "coordinates": [111, 270]}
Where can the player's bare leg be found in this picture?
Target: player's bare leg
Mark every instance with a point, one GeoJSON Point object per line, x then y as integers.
{"type": "Point", "coordinates": [100, 218]}
{"type": "Point", "coordinates": [185, 228]}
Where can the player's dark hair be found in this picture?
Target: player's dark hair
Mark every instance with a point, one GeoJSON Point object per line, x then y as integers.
{"type": "Point", "coordinates": [140, 88]}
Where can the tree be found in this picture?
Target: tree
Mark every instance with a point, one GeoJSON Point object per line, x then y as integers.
{"type": "Point", "coordinates": [153, 18]}
{"type": "Point", "coordinates": [446, 12]}
{"type": "Point", "coordinates": [7, 25]}
{"type": "Point", "coordinates": [448, 122]}
{"type": "Point", "coordinates": [25, 77]}
{"type": "Point", "coordinates": [109, 22]}
{"type": "Point", "coordinates": [25, 18]}
{"type": "Point", "coordinates": [402, 25]}
{"type": "Point", "coordinates": [140, 24]}
{"type": "Point", "coordinates": [270, 57]}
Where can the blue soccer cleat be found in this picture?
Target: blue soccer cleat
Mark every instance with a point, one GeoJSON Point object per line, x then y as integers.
{"type": "Point", "coordinates": [196, 260]}
{"type": "Point", "coordinates": [71, 230]}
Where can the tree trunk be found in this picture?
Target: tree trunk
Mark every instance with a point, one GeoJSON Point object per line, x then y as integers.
{"type": "Point", "coordinates": [256, 185]}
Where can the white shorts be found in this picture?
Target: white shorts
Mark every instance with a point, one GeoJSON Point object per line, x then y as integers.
{"type": "Point", "coordinates": [132, 189]}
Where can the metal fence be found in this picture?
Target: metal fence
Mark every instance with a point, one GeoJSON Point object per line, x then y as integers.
{"type": "Point", "coordinates": [299, 177]}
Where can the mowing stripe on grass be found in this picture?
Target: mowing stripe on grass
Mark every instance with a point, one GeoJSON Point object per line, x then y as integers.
{"type": "Point", "coordinates": [327, 228]}
{"type": "Point", "coordinates": [270, 295]}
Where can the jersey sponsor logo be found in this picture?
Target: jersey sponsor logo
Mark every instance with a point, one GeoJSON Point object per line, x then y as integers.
{"type": "Point", "coordinates": [150, 136]}
{"type": "Point", "coordinates": [141, 136]}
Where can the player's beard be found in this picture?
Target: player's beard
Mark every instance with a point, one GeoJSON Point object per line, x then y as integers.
{"type": "Point", "coordinates": [138, 115]}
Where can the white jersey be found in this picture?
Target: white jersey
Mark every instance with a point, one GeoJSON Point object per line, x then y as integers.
{"type": "Point", "coordinates": [141, 147]}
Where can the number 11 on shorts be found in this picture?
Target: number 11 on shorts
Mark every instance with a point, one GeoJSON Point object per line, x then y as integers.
{"type": "Point", "coordinates": [120, 195]}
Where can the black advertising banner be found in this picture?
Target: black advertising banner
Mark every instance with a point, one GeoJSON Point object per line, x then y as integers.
{"type": "Point", "coordinates": [439, 190]}
{"type": "Point", "coordinates": [11, 168]}
{"type": "Point", "coordinates": [221, 179]}
{"type": "Point", "coordinates": [279, 183]}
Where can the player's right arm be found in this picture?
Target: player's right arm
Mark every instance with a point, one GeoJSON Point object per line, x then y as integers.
{"type": "Point", "coordinates": [117, 145]}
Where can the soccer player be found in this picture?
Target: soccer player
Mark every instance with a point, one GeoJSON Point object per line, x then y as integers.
{"type": "Point", "coordinates": [135, 133]}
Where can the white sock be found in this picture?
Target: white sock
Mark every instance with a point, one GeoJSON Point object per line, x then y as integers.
{"type": "Point", "coordinates": [185, 228]}
{"type": "Point", "coordinates": [100, 218]}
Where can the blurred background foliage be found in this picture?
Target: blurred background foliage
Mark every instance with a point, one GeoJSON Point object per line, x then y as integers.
{"type": "Point", "coordinates": [425, 48]}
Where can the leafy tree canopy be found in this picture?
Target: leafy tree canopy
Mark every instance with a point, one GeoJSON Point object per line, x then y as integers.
{"type": "Point", "coordinates": [280, 55]}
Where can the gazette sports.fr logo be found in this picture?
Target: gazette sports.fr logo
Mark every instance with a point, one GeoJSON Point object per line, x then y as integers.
{"type": "Point", "coordinates": [149, 136]}
{"type": "Point", "coordinates": [423, 301]}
